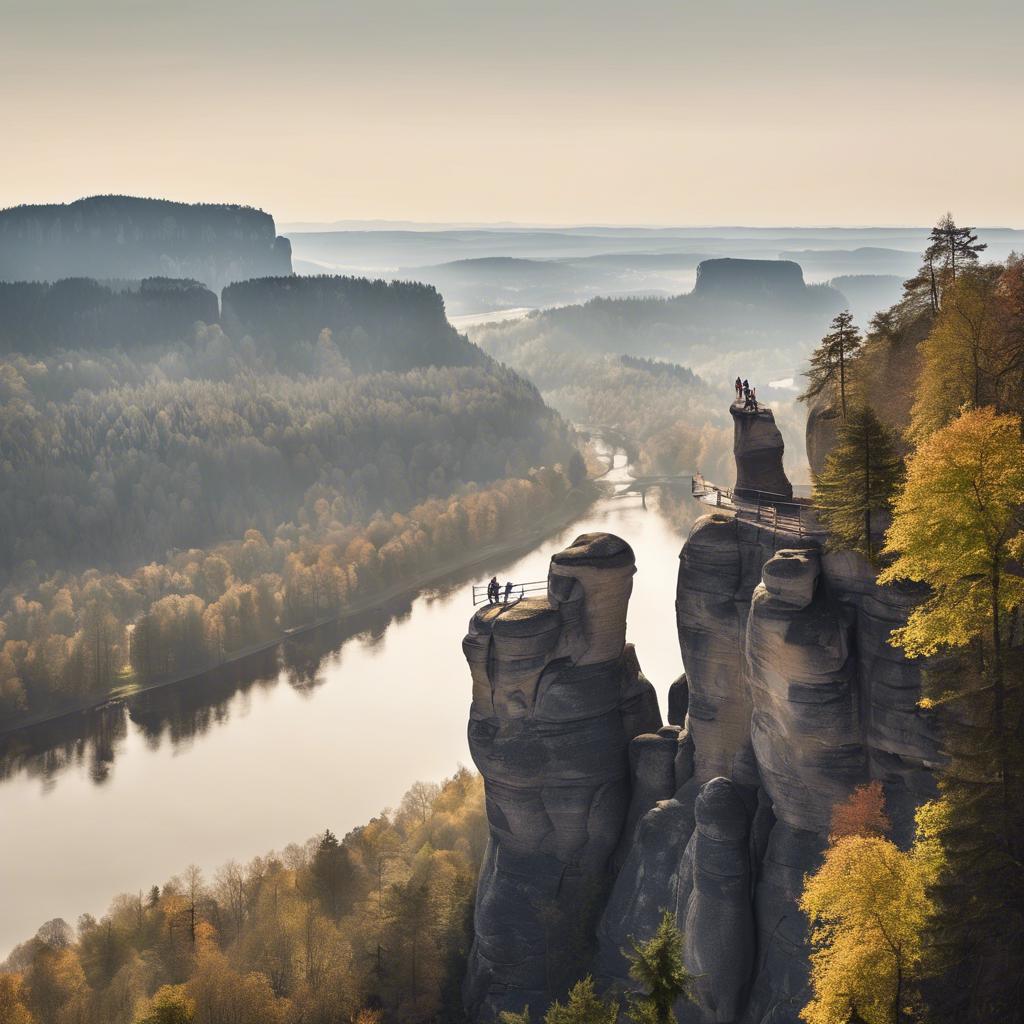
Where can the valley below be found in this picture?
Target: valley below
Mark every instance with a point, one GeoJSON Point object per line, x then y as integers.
{"type": "Point", "coordinates": [323, 731]}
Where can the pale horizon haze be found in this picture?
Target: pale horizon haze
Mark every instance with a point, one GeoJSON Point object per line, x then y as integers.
{"type": "Point", "coordinates": [649, 113]}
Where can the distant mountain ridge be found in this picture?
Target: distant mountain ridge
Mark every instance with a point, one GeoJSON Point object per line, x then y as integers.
{"type": "Point", "coordinates": [114, 236]}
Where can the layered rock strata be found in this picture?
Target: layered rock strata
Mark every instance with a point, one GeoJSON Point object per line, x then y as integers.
{"type": "Point", "coordinates": [557, 697]}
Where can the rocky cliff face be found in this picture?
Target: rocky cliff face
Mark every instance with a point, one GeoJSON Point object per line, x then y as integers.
{"type": "Point", "coordinates": [792, 697]}
{"type": "Point", "coordinates": [130, 237]}
{"type": "Point", "coordinates": [822, 431]}
{"type": "Point", "coordinates": [758, 448]}
{"type": "Point", "coordinates": [557, 697]}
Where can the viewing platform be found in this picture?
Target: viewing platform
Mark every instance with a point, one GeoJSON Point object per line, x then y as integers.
{"type": "Point", "coordinates": [533, 588]}
{"type": "Point", "coordinates": [782, 513]}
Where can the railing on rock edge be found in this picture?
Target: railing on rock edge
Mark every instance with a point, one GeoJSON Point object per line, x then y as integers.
{"type": "Point", "coordinates": [775, 511]}
{"type": "Point", "coordinates": [518, 592]}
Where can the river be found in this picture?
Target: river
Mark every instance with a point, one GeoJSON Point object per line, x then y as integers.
{"type": "Point", "coordinates": [323, 733]}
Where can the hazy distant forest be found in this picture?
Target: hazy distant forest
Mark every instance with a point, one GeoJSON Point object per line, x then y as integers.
{"type": "Point", "coordinates": [175, 501]}
{"type": "Point", "coordinates": [615, 362]}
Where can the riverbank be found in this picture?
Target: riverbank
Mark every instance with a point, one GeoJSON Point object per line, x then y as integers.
{"type": "Point", "coordinates": [576, 504]}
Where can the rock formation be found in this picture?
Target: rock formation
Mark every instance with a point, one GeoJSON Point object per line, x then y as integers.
{"type": "Point", "coordinates": [557, 697]}
{"type": "Point", "coordinates": [792, 697]}
{"type": "Point", "coordinates": [130, 237]}
{"type": "Point", "coordinates": [748, 279]}
{"type": "Point", "coordinates": [822, 430]}
{"type": "Point", "coordinates": [758, 448]}
{"type": "Point", "coordinates": [795, 697]}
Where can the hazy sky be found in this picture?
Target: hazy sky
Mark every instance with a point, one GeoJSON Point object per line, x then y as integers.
{"type": "Point", "coordinates": [754, 112]}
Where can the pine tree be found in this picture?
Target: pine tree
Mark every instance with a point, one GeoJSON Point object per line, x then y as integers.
{"type": "Point", "coordinates": [956, 247]}
{"type": "Point", "coordinates": [861, 476]}
{"type": "Point", "coordinates": [830, 361]}
{"type": "Point", "coordinates": [584, 1006]}
{"type": "Point", "coordinates": [332, 875]}
{"type": "Point", "coordinates": [657, 965]}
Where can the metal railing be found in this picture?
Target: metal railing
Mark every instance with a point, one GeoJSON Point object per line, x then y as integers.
{"type": "Point", "coordinates": [778, 512]}
{"type": "Point", "coordinates": [701, 489]}
{"type": "Point", "coordinates": [518, 592]}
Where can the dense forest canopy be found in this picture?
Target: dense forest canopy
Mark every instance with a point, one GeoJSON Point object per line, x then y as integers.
{"type": "Point", "coordinates": [377, 325]}
{"type": "Point", "coordinates": [172, 504]}
{"type": "Point", "coordinates": [313, 934]}
{"type": "Point", "coordinates": [81, 312]}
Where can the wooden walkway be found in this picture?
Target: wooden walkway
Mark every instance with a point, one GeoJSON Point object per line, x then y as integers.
{"type": "Point", "coordinates": [776, 512]}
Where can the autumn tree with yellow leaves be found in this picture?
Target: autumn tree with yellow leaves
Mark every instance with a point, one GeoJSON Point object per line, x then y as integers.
{"type": "Point", "coordinates": [867, 906]}
{"type": "Point", "coordinates": [958, 528]}
{"type": "Point", "coordinates": [974, 352]}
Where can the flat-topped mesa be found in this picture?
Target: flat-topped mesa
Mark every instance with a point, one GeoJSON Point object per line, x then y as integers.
{"type": "Point", "coordinates": [758, 448]}
{"type": "Point", "coordinates": [557, 697]}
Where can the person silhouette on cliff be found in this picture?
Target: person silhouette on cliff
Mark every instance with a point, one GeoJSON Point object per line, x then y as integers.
{"type": "Point", "coordinates": [739, 389]}
{"type": "Point", "coordinates": [492, 590]}
{"type": "Point", "coordinates": [508, 591]}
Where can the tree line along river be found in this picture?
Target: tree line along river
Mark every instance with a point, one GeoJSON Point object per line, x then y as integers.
{"type": "Point", "coordinates": [323, 732]}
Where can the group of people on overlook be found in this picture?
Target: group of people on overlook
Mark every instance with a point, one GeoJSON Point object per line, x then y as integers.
{"type": "Point", "coordinates": [494, 591]}
{"type": "Point", "coordinates": [747, 393]}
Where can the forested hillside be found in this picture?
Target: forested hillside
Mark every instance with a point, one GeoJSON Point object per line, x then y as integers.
{"type": "Point", "coordinates": [661, 370]}
{"type": "Point", "coordinates": [735, 311]}
{"type": "Point", "coordinates": [170, 505]}
{"type": "Point", "coordinates": [320, 932]}
{"type": "Point", "coordinates": [917, 426]}
{"type": "Point", "coordinates": [377, 325]}
{"type": "Point", "coordinates": [37, 318]}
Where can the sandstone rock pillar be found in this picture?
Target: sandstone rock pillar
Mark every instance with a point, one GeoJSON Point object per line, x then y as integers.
{"type": "Point", "coordinates": [758, 447]}
{"type": "Point", "coordinates": [557, 698]}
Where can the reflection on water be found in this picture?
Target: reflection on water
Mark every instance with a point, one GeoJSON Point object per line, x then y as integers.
{"type": "Point", "coordinates": [185, 710]}
{"type": "Point", "coordinates": [323, 731]}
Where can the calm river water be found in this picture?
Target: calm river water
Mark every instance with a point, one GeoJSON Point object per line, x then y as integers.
{"type": "Point", "coordinates": [323, 733]}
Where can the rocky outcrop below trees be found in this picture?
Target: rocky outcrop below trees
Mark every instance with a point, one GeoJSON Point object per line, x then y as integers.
{"type": "Point", "coordinates": [129, 237]}
{"type": "Point", "coordinates": [822, 430]}
{"type": "Point", "coordinates": [792, 697]}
